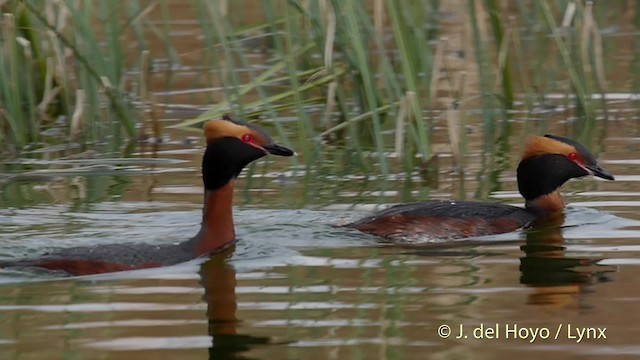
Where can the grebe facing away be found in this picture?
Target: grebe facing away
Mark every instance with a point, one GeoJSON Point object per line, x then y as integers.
{"type": "Point", "coordinates": [547, 163]}
{"type": "Point", "coordinates": [231, 145]}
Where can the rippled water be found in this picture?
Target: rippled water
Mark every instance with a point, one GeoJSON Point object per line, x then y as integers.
{"type": "Point", "coordinates": [295, 286]}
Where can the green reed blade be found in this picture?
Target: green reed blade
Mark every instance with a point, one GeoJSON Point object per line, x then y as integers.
{"type": "Point", "coordinates": [357, 44]}
{"type": "Point", "coordinates": [112, 93]}
{"type": "Point", "coordinates": [409, 70]}
{"type": "Point", "coordinates": [304, 127]}
{"type": "Point", "coordinates": [12, 94]}
{"type": "Point", "coordinates": [579, 86]}
{"type": "Point", "coordinates": [502, 42]}
{"type": "Point", "coordinates": [220, 110]}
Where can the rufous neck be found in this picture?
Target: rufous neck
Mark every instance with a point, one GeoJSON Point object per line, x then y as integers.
{"type": "Point", "coordinates": [548, 206]}
{"type": "Point", "coordinates": [217, 230]}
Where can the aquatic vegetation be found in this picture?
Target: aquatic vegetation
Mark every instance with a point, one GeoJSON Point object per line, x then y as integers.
{"type": "Point", "coordinates": [55, 69]}
{"type": "Point", "coordinates": [372, 76]}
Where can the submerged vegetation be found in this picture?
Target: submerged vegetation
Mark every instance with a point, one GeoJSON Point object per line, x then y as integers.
{"type": "Point", "coordinates": [375, 76]}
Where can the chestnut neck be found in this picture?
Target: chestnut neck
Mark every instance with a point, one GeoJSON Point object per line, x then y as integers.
{"type": "Point", "coordinates": [548, 206]}
{"type": "Point", "coordinates": [216, 232]}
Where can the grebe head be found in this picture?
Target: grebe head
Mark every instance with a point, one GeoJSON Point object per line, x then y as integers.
{"type": "Point", "coordinates": [549, 161]}
{"type": "Point", "coordinates": [232, 145]}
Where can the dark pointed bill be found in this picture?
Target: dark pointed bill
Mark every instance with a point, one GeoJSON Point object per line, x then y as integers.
{"type": "Point", "coordinates": [276, 149]}
{"type": "Point", "coordinates": [599, 172]}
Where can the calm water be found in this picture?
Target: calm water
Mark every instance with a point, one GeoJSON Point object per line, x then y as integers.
{"type": "Point", "coordinates": [295, 287]}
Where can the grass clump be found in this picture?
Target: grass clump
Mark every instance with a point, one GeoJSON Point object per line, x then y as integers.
{"type": "Point", "coordinates": [56, 70]}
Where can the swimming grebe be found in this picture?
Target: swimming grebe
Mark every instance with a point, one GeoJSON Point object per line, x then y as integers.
{"type": "Point", "coordinates": [231, 145]}
{"type": "Point", "coordinates": [547, 163]}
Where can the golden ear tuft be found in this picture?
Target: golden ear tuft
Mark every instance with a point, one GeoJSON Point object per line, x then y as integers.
{"type": "Point", "coordinates": [215, 129]}
{"type": "Point", "coordinates": [210, 129]}
{"type": "Point", "coordinates": [540, 145]}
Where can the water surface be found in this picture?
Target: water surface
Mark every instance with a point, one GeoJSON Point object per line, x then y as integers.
{"type": "Point", "coordinates": [297, 287]}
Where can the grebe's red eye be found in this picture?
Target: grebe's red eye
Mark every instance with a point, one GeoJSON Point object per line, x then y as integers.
{"type": "Point", "coordinates": [247, 138]}
{"type": "Point", "coordinates": [572, 156]}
